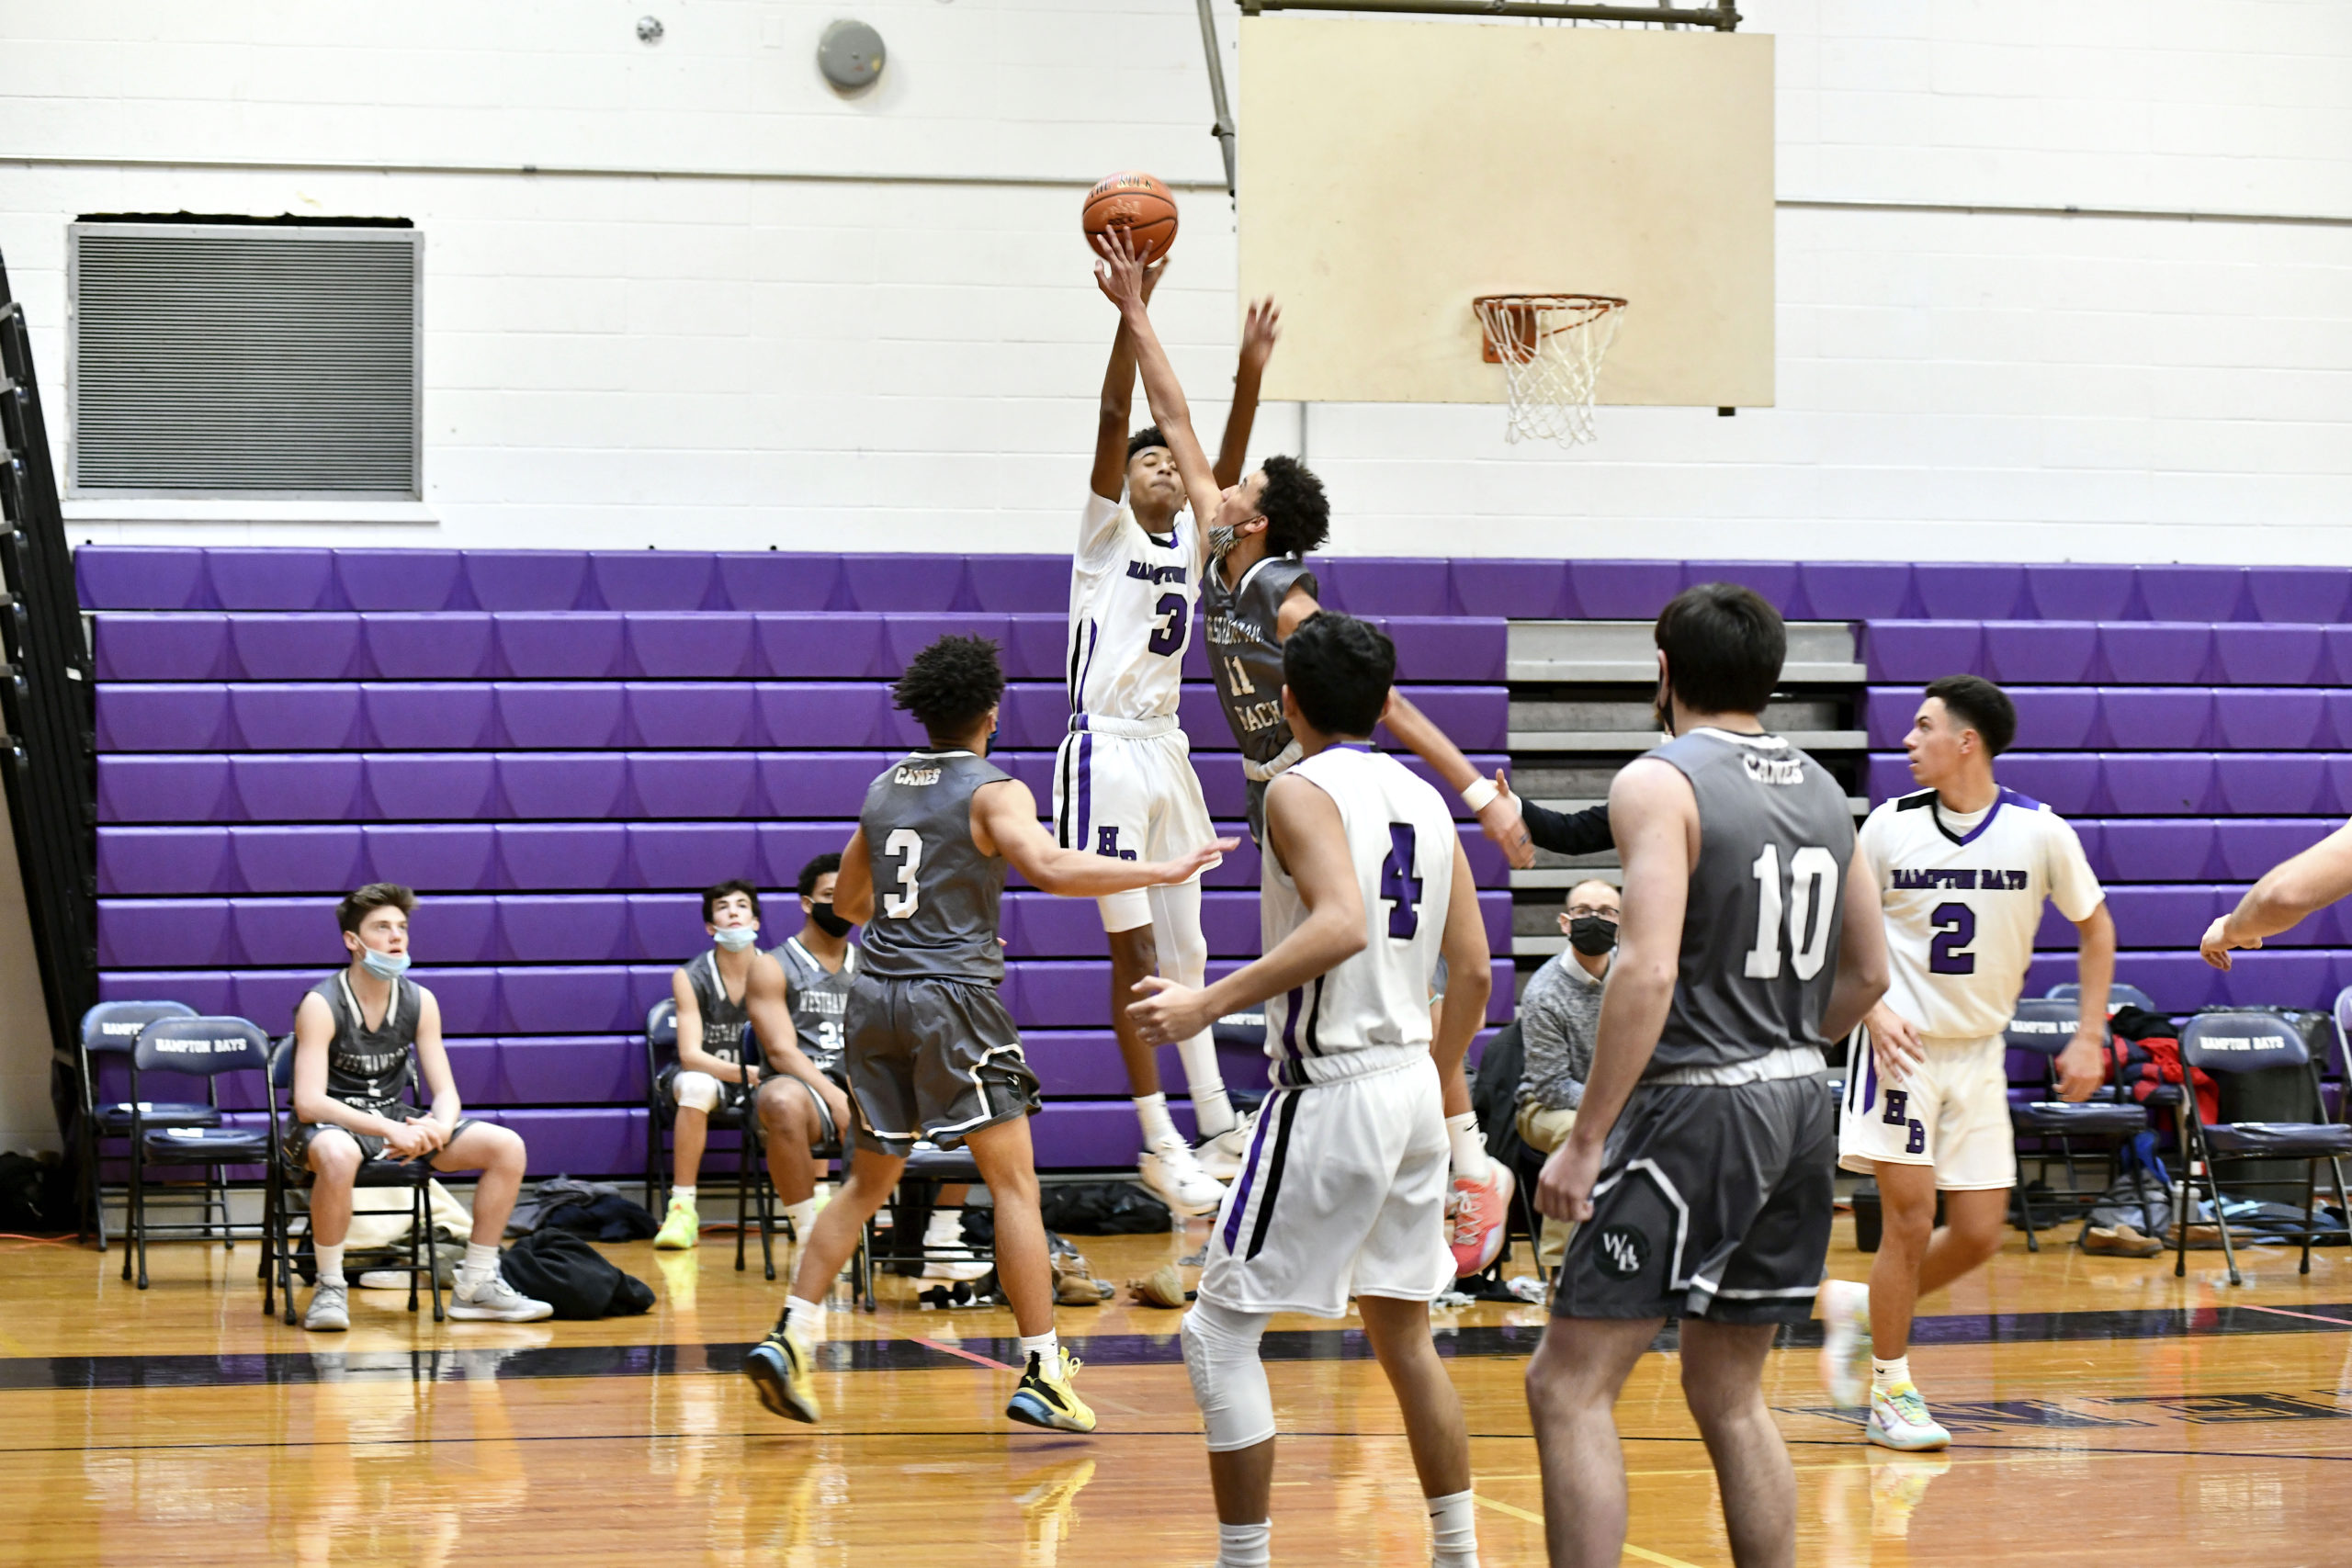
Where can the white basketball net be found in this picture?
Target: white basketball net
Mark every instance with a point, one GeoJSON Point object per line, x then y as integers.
{"type": "Point", "coordinates": [1550, 347]}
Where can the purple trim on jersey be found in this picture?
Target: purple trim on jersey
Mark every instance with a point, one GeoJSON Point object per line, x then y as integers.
{"type": "Point", "coordinates": [1290, 1018]}
{"type": "Point", "coordinates": [1870, 1084]}
{"type": "Point", "coordinates": [1085, 785]}
{"type": "Point", "coordinates": [2022, 802]}
{"type": "Point", "coordinates": [1086, 668]}
{"type": "Point", "coordinates": [1978, 831]}
{"type": "Point", "coordinates": [1249, 1177]}
{"type": "Point", "coordinates": [1364, 745]}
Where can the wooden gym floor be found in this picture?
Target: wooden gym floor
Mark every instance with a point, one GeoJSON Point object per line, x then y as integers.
{"type": "Point", "coordinates": [2102, 1411]}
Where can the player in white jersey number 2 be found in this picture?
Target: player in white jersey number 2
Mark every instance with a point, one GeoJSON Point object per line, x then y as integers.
{"type": "Point", "coordinates": [1343, 1190]}
{"type": "Point", "coordinates": [1962, 869]}
{"type": "Point", "coordinates": [1124, 783]}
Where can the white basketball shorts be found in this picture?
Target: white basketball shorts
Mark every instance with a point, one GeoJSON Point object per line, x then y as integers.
{"type": "Point", "coordinates": [1125, 788]}
{"type": "Point", "coordinates": [1343, 1194]}
{"type": "Point", "coordinates": [1952, 1114]}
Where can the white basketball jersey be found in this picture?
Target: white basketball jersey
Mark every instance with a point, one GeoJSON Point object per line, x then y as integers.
{"type": "Point", "coordinates": [1131, 597]}
{"type": "Point", "coordinates": [1962, 907]}
{"type": "Point", "coordinates": [1401, 837]}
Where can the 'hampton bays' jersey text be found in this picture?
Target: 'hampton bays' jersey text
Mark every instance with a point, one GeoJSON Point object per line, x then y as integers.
{"type": "Point", "coordinates": [1243, 625]}
{"type": "Point", "coordinates": [1401, 839]}
{"type": "Point", "coordinates": [935, 895]}
{"type": "Point", "coordinates": [1962, 905]}
{"type": "Point", "coordinates": [1131, 597]}
{"type": "Point", "coordinates": [1760, 930]}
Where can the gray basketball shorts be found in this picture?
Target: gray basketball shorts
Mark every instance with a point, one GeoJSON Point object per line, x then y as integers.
{"type": "Point", "coordinates": [936, 1059]}
{"type": "Point", "coordinates": [1714, 1202]}
{"type": "Point", "coordinates": [295, 1144]}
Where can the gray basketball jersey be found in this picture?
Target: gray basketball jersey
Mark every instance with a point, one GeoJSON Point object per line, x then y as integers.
{"type": "Point", "coordinates": [724, 1022]}
{"type": "Point", "coordinates": [367, 1068]}
{"type": "Point", "coordinates": [1759, 933]}
{"type": "Point", "coordinates": [1246, 650]}
{"type": "Point", "coordinates": [818, 997]}
{"type": "Point", "coordinates": [935, 895]}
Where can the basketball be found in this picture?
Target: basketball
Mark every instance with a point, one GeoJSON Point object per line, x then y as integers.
{"type": "Point", "coordinates": [1138, 203]}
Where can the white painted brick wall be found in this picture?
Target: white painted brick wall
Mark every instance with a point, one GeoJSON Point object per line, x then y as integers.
{"type": "Point", "coordinates": [718, 361]}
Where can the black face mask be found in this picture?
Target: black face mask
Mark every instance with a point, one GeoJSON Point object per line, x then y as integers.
{"type": "Point", "coordinates": [827, 921]}
{"type": "Point", "coordinates": [1592, 936]}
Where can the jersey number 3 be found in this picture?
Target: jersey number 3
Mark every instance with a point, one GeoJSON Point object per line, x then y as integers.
{"type": "Point", "coordinates": [1398, 885]}
{"type": "Point", "coordinates": [1172, 622]}
{"type": "Point", "coordinates": [1808, 901]}
{"type": "Point", "coordinates": [905, 846]}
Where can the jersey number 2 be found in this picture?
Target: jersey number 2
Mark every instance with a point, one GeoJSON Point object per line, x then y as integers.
{"type": "Point", "coordinates": [1808, 903]}
{"type": "Point", "coordinates": [905, 845]}
{"type": "Point", "coordinates": [1955, 926]}
{"type": "Point", "coordinates": [1398, 885]}
{"type": "Point", "coordinates": [1174, 623]}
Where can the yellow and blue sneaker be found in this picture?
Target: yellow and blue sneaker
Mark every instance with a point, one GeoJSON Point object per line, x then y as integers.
{"type": "Point", "coordinates": [1045, 1397]}
{"type": "Point", "coordinates": [779, 1369]}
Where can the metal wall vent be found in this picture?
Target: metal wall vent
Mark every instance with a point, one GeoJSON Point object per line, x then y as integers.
{"type": "Point", "coordinates": [244, 360]}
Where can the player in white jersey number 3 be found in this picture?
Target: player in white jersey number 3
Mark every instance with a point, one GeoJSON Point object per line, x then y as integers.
{"type": "Point", "coordinates": [1962, 869]}
{"type": "Point", "coordinates": [1343, 1190]}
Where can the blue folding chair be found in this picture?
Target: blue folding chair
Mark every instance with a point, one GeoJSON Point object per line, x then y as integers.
{"type": "Point", "coordinates": [2231, 1041]}
{"type": "Point", "coordinates": [111, 1029]}
{"type": "Point", "coordinates": [2118, 995]}
{"type": "Point", "coordinates": [197, 1047]}
{"type": "Point", "coordinates": [2045, 1027]}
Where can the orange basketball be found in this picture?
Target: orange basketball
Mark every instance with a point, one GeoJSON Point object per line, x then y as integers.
{"type": "Point", "coordinates": [1135, 201]}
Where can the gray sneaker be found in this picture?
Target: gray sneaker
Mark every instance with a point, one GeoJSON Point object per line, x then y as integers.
{"type": "Point", "coordinates": [329, 1310]}
{"type": "Point", "coordinates": [494, 1301]}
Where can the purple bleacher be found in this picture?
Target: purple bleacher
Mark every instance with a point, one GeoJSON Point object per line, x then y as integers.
{"type": "Point", "coordinates": [2155, 653]}
{"type": "Point", "coordinates": [904, 636]}
{"type": "Point", "coordinates": [2049, 719]}
{"type": "Point", "coordinates": [819, 646]}
{"type": "Point", "coordinates": [653, 580]}
{"type": "Point", "coordinates": [140, 577]}
{"type": "Point", "coordinates": [1858, 590]}
{"type": "Point", "coordinates": [272, 578]}
{"type": "Point", "coordinates": [296, 647]}
{"type": "Point", "coordinates": [585, 927]}
{"type": "Point", "coordinates": [1518, 590]}
{"type": "Point", "coordinates": [575, 855]}
{"type": "Point", "coordinates": [2055, 652]}
{"type": "Point", "coordinates": [1622, 590]}
{"type": "Point", "coordinates": [785, 846]}
{"type": "Point", "coordinates": [762, 580]}
{"type": "Point", "coordinates": [526, 580]}
{"type": "Point", "coordinates": [670, 925]}
{"type": "Point", "coordinates": [131, 647]}
{"type": "Point", "coordinates": [1450, 649]}
{"type": "Point", "coordinates": [1073, 1062]}
{"type": "Point", "coordinates": [694, 783]}
{"type": "Point", "coordinates": [432, 785]}
{"type": "Point", "coordinates": [703, 715]}
{"type": "Point", "coordinates": [433, 859]}
{"type": "Point", "coordinates": [2155, 719]}
{"type": "Point", "coordinates": [2154, 851]}
{"type": "Point", "coordinates": [2192, 592]}
{"type": "Point", "coordinates": [298, 789]}
{"type": "Point", "coordinates": [686, 646]}
{"type": "Point", "coordinates": [2247, 848]}
{"type": "Point", "coordinates": [2270, 656]}
{"type": "Point", "coordinates": [1368, 587]}
{"type": "Point", "coordinates": [451, 646]}
{"type": "Point", "coordinates": [692, 854]}
{"type": "Point", "coordinates": [1922, 651]}
{"type": "Point", "coordinates": [164, 861]}
{"type": "Point", "coordinates": [565, 998]}
{"type": "Point", "coordinates": [2079, 591]}
{"type": "Point", "coordinates": [590, 1069]}
{"type": "Point", "coordinates": [894, 584]}
{"type": "Point", "coordinates": [295, 860]}
{"type": "Point", "coordinates": [179, 933]}
{"type": "Point", "coordinates": [1020, 584]}
{"type": "Point", "coordinates": [399, 580]}
{"type": "Point", "coordinates": [2286, 595]}
{"type": "Point", "coordinates": [2273, 784]}
{"type": "Point", "coordinates": [294, 718]}
{"type": "Point", "coordinates": [559, 647]}
{"type": "Point", "coordinates": [1962, 591]}
{"type": "Point", "coordinates": [2157, 917]}
{"type": "Point", "coordinates": [192, 718]}
{"type": "Point", "coordinates": [428, 715]}
{"type": "Point", "coordinates": [1779, 583]}
{"type": "Point", "coordinates": [820, 715]}
{"type": "Point", "coordinates": [2157, 784]}
{"type": "Point", "coordinates": [165, 789]}
{"type": "Point", "coordinates": [566, 716]}
{"type": "Point", "coordinates": [2272, 720]}
{"type": "Point", "coordinates": [563, 784]}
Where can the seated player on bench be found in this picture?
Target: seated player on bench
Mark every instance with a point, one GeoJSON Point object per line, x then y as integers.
{"type": "Point", "coordinates": [352, 1035]}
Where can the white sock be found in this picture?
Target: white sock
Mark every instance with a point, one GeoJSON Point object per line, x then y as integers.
{"type": "Point", "coordinates": [678, 1193]}
{"type": "Point", "coordinates": [330, 1262]}
{"type": "Point", "coordinates": [1470, 1161]}
{"type": "Point", "coordinates": [802, 1319]}
{"type": "Point", "coordinates": [1043, 1345]}
{"type": "Point", "coordinates": [946, 1228]}
{"type": "Point", "coordinates": [1245, 1546]}
{"type": "Point", "coordinates": [802, 1214]}
{"type": "Point", "coordinates": [1211, 1111]}
{"type": "Point", "coordinates": [1151, 1110]}
{"type": "Point", "coordinates": [481, 1261]}
{"type": "Point", "coordinates": [1888, 1374]}
{"type": "Point", "coordinates": [1453, 1530]}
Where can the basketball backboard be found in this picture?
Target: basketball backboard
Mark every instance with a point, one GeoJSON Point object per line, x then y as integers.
{"type": "Point", "coordinates": [1391, 172]}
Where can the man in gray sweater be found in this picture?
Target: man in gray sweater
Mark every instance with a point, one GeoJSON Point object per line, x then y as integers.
{"type": "Point", "coordinates": [1556, 1017]}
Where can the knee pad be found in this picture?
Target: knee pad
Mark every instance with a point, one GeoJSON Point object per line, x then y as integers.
{"type": "Point", "coordinates": [694, 1092]}
{"type": "Point", "coordinates": [1229, 1381]}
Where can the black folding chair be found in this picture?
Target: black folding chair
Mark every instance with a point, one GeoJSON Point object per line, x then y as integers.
{"type": "Point", "coordinates": [928, 1169]}
{"type": "Point", "coordinates": [2249, 1042]}
{"type": "Point", "coordinates": [2045, 1027]}
{"type": "Point", "coordinates": [288, 1180]}
{"type": "Point", "coordinates": [197, 1047]}
{"type": "Point", "coordinates": [111, 1029]}
{"type": "Point", "coordinates": [752, 1188]}
{"type": "Point", "coordinates": [2119, 994]}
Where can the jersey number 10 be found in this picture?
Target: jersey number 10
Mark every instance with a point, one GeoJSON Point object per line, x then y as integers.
{"type": "Point", "coordinates": [1808, 901]}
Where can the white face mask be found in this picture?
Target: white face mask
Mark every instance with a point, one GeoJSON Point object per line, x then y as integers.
{"type": "Point", "coordinates": [735, 939]}
{"type": "Point", "coordinates": [383, 965]}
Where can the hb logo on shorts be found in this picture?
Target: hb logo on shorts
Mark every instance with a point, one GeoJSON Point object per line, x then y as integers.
{"type": "Point", "coordinates": [1620, 1252]}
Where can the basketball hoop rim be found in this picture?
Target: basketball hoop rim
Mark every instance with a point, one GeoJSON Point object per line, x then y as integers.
{"type": "Point", "coordinates": [1591, 308]}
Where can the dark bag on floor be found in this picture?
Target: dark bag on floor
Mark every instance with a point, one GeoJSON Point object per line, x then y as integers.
{"type": "Point", "coordinates": [558, 1268]}
{"type": "Point", "coordinates": [1102, 1208]}
{"type": "Point", "coordinates": [609, 1218]}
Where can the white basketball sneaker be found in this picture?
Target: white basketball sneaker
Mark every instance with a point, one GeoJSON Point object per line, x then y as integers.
{"type": "Point", "coordinates": [1846, 1343]}
{"type": "Point", "coordinates": [1899, 1419]}
{"type": "Point", "coordinates": [1170, 1170]}
{"type": "Point", "coordinates": [1222, 1156]}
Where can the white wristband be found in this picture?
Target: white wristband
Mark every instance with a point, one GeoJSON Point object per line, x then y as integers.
{"type": "Point", "coordinates": [1481, 793]}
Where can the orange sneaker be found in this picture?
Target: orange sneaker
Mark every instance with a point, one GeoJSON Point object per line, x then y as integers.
{"type": "Point", "coordinates": [1481, 1215]}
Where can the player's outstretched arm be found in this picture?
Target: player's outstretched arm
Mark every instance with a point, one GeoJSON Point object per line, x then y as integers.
{"type": "Point", "coordinates": [2084, 1061]}
{"type": "Point", "coordinates": [1120, 277]}
{"type": "Point", "coordinates": [1260, 328]}
{"type": "Point", "coordinates": [1862, 971]}
{"type": "Point", "coordinates": [2310, 882]}
{"type": "Point", "coordinates": [854, 887]}
{"type": "Point", "coordinates": [1110, 479]}
{"type": "Point", "coordinates": [1498, 817]}
{"type": "Point", "coordinates": [1302, 827]}
{"type": "Point", "coordinates": [1656, 819]}
{"type": "Point", "coordinates": [1004, 822]}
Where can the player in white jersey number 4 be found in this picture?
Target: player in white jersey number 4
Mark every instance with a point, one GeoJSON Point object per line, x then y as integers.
{"type": "Point", "coordinates": [1343, 1190]}
{"type": "Point", "coordinates": [1962, 869]}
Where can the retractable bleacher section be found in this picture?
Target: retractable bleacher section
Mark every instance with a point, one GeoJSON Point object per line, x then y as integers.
{"type": "Point", "coordinates": [558, 750]}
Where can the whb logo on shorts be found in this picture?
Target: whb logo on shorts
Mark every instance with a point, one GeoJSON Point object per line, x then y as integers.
{"type": "Point", "coordinates": [1622, 1252]}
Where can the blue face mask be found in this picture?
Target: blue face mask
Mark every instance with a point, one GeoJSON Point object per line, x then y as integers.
{"type": "Point", "coordinates": [383, 965]}
{"type": "Point", "coordinates": [735, 939]}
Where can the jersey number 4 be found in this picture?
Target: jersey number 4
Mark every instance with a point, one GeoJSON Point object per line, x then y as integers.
{"type": "Point", "coordinates": [1398, 885]}
{"type": "Point", "coordinates": [1808, 901]}
{"type": "Point", "coordinates": [905, 846]}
